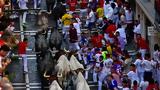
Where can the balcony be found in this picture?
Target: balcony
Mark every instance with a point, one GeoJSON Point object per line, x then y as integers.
{"type": "Point", "coordinates": [149, 9]}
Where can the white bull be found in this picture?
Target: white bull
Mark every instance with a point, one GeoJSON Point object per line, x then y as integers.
{"type": "Point", "coordinates": [81, 83]}
{"type": "Point", "coordinates": [75, 65]}
{"type": "Point", "coordinates": [55, 86]}
{"type": "Point", "coordinates": [62, 68]}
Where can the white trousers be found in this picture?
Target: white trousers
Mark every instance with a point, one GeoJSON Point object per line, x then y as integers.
{"type": "Point", "coordinates": [25, 63]}
{"type": "Point", "coordinates": [94, 76]}
{"type": "Point", "coordinates": [24, 17]}
{"type": "Point", "coordinates": [101, 77]}
{"type": "Point", "coordinates": [143, 52]}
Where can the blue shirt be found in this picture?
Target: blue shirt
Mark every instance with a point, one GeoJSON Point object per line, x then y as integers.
{"type": "Point", "coordinates": [113, 84]}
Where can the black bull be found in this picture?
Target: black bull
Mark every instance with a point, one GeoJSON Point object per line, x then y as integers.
{"type": "Point", "coordinates": [55, 40]}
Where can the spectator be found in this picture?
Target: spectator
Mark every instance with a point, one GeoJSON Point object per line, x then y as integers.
{"type": "Point", "coordinates": [142, 45]}
{"type": "Point", "coordinates": [152, 85]}
{"type": "Point", "coordinates": [156, 53]}
{"type": "Point", "coordinates": [22, 46]}
{"type": "Point", "coordinates": [158, 74]}
{"type": "Point", "coordinates": [125, 85]}
{"type": "Point", "coordinates": [4, 49]}
{"type": "Point", "coordinates": [112, 83]}
{"type": "Point", "coordinates": [23, 5]}
{"type": "Point", "coordinates": [108, 10]}
{"type": "Point", "coordinates": [144, 84]}
{"type": "Point", "coordinates": [91, 19]}
{"type": "Point", "coordinates": [77, 27]}
{"type": "Point", "coordinates": [83, 10]}
{"type": "Point", "coordinates": [129, 15]}
{"type": "Point", "coordinates": [100, 14]}
{"type": "Point", "coordinates": [148, 67]}
{"type": "Point", "coordinates": [121, 41]}
{"type": "Point", "coordinates": [66, 19]}
{"type": "Point", "coordinates": [72, 5]}
{"type": "Point", "coordinates": [5, 84]}
{"type": "Point", "coordinates": [122, 32]}
{"type": "Point", "coordinates": [96, 40]}
{"type": "Point", "coordinates": [140, 69]}
{"type": "Point", "coordinates": [132, 74]}
{"type": "Point", "coordinates": [73, 38]}
{"type": "Point", "coordinates": [101, 70]}
{"type": "Point", "coordinates": [1, 7]}
{"type": "Point", "coordinates": [135, 85]}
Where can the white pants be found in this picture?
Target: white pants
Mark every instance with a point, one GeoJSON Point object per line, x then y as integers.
{"type": "Point", "coordinates": [65, 30]}
{"type": "Point", "coordinates": [35, 4]}
{"type": "Point", "coordinates": [101, 77]}
{"type": "Point", "coordinates": [94, 76]}
{"type": "Point", "coordinates": [25, 65]}
{"type": "Point", "coordinates": [143, 52]}
{"type": "Point", "coordinates": [24, 17]}
{"type": "Point", "coordinates": [140, 75]}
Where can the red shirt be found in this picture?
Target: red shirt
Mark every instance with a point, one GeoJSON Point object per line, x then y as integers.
{"type": "Point", "coordinates": [22, 47]}
{"type": "Point", "coordinates": [97, 41]}
{"type": "Point", "coordinates": [101, 3]}
{"type": "Point", "coordinates": [110, 30]}
{"type": "Point", "coordinates": [83, 4]}
{"type": "Point", "coordinates": [142, 44]}
{"type": "Point", "coordinates": [73, 35]}
{"type": "Point", "coordinates": [72, 5]}
{"type": "Point", "coordinates": [152, 87]}
{"type": "Point", "coordinates": [2, 42]}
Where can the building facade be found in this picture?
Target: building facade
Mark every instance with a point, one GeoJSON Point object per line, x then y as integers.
{"type": "Point", "coordinates": [149, 13]}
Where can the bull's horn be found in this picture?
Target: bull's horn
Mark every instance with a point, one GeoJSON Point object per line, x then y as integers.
{"type": "Point", "coordinates": [66, 50]}
{"type": "Point", "coordinates": [46, 76]}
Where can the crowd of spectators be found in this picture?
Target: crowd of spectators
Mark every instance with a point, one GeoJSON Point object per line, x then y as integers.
{"type": "Point", "coordinates": [102, 48]}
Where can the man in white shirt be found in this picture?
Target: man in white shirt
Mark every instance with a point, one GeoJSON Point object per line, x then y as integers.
{"type": "Point", "coordinates": [91, 19]}
{"type": "Point", "coordinates": [140, 69]}
{"type": "Point", "coordinates": [148, 67]}
{"type": "Point", "coordinates": [129, 15]}
{"type": "Point", "coordinates": [132, 74]}
{"type": "Point", "coordinates": [108, 10]}
{"type": "Point", "coordinates": [78, 28]}
{"type": "Point", "coordinates": [122, 32]}
{"type": "Point", "coordinates": [103, 71]}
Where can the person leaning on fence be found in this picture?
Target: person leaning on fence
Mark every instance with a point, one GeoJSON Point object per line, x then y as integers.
{"type": "Point", "coordinates": [4, 49]}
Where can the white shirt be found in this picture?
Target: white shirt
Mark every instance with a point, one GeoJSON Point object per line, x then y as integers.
{"type": "Point", "coordinates": [138, 64]}
{"type": "Point", "coordinates": [133, 76]}
{"type": "Point", "coordinates": [128, 15]}
{"type": "Point", "coordinates": [108, 62]}
{"type": "Point", "coordinates": [122, 32]}
{"type": "Point", "coordinates": [143, 85]}
{"type": "Point", "coordinates": [92, 17]}
{"type": "Point", "coordinates": [77, 27]}
{"type": "Point", "coordinates": [156, 56]}
{"type": "Point", "coordinates": [125, 89]}
{"type": "Point", "coordinates": [137, 29]}
{"type": "Point", "coordinates": [97, 57]}
{"type": "Point", "coordinates": [147, 65]}
{"type": "Point", "coordinates": [108, 11]}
